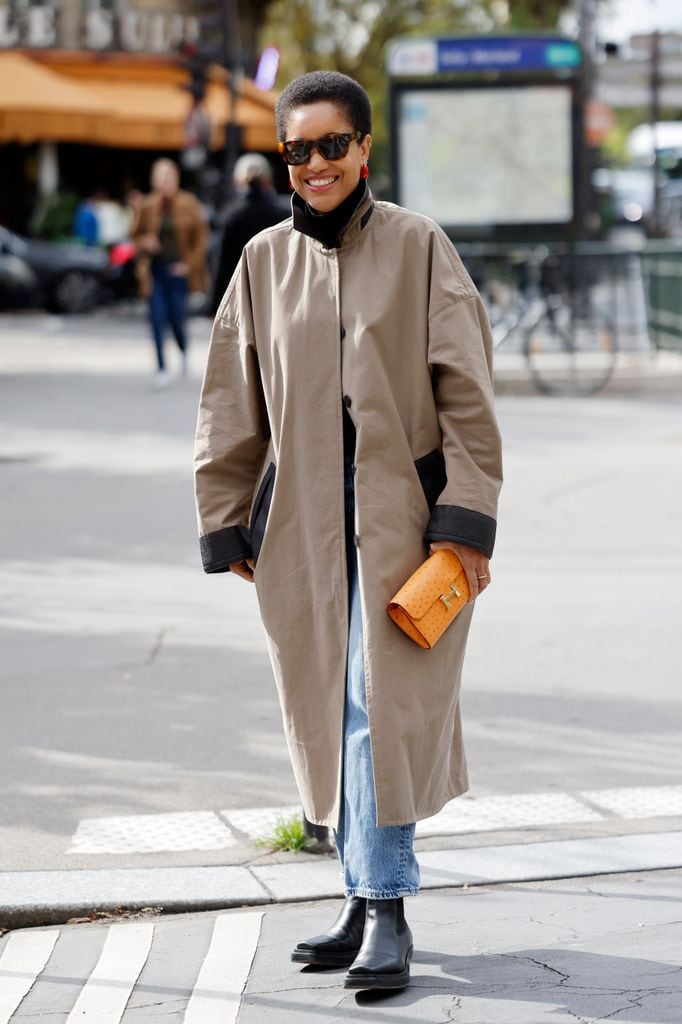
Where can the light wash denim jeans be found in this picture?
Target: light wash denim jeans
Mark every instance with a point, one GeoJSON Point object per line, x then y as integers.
{"type": "Point", "coordinates": [377, 862]}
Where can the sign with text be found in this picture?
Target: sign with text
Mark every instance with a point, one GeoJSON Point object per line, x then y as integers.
{"type": "Point", "coordinates": [37, 27]}
{"type": "Point", "coordinates": [486, 133]}
{"type": "Point", "coordinates": [481, 53]}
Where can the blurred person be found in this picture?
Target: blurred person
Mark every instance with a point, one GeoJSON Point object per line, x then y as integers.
{"type": "Point", "coordinates": [133, 200]}
{"type": "Point", "coordinates": [346, 428]}
{"type": "Point", "coordinates": [257, 207]}
{"type": "Point", "coordinates": [170, 234]}
{"type": "Point", "coordinates": [113, 218]}
{"type": "Point", "coordinates": [101, 220]}
{"type": "Point", "coordinates": [86, 223]}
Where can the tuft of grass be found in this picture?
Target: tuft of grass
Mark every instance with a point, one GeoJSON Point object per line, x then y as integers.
{"type": "Point", "coordinates": [286, 834]}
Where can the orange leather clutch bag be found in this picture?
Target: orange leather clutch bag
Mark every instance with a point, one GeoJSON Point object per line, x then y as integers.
{"type": "Point", "coordinates": [429, 601]}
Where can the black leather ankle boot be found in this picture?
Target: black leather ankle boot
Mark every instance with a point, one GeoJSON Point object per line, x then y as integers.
{"type": "Point", "coordinates": [386, 950]}
{"type": "Point", "coordinates": [339, 946]}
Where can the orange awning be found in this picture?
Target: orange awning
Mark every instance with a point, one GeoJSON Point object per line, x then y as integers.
{"type": "Point", "coordinates": [39, 104]}
{"type": "Point", "coordinates": [125, 102]}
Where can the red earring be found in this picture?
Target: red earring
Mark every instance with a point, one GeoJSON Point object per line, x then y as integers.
{"type": "Point", "coordinates": [364, 171]}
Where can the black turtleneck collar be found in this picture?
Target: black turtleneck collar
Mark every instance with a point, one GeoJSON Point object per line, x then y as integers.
{"type": "Point", "coordinates": [327, 228]}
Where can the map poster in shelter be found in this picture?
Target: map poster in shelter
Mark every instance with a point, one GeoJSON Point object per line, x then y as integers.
{"type": "Point", "coordinates": [484, 156]}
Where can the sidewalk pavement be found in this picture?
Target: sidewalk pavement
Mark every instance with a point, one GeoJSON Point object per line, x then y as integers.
{"type": "Point", "coordinates": [561, 951]}
{"type": "Point", "coordinates": [114, 346]}
{"type": "Point", "coordinates": [518, 945]}
{"type": "Point", "coordinates": [603, 846]}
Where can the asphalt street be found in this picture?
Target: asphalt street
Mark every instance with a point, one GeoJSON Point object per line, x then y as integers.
{"type": "Point", "coordinates": [132, 684]}
{"type": "Point", "coordinates": [560, 952]}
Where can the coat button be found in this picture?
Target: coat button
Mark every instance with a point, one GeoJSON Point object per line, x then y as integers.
{"type": "Point", "coordinates": [343, 332]}
{"type": "Point", "coordinates": [347, 401]}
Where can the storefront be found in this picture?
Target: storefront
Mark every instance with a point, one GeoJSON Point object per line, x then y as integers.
{"type": "Point", "coordinates": [97, 117]}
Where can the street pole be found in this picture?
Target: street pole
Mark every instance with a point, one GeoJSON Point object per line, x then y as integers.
{"type": "Point", "coordinates": [655, 116]}
{"type": "Point", "coordinates": [232, 62]}
{"type": "Point", "coordinates": [587, 29]}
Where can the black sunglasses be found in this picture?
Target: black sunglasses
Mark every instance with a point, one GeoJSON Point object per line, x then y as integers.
{"type": "Point", "coordinates": [330, 147]}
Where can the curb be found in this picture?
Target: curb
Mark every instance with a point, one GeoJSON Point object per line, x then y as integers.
{"type": "Point", "coordinates": [32, 898]}
{"type": "Point", "coordinates": [645, 367]}
{"type": "Point", "coordinates": [29, 898]}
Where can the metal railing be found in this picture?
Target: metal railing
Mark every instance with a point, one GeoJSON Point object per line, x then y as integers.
{"type": "Point", "coordinates": [662, 275]}
{"type": "Point", "coordinates": [567, 308]}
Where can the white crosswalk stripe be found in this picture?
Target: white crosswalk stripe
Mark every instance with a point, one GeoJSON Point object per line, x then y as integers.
{"type": "Point", "coordinates": [218, 992]}
{"type": "Point", "coordinates": [22, 960]}
{"type": "Point", "coordinates": [213, 985]}
{"type": "Point", "coordinates": [104, 996]}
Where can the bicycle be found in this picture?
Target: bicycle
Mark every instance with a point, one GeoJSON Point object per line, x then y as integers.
{"type": "Point", "coordinates": [568, 338]}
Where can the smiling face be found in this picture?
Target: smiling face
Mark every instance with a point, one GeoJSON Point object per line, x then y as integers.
{"type": "Point", "coordinates": [324, 184]}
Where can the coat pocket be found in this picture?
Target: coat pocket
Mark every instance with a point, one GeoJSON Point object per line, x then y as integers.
{"type": "Point", "coordinates": [431, 471]}
{"type": "Point", "coordinates": [260, 510]}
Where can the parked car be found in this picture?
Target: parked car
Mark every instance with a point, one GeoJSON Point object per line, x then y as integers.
{"type": "Point", "coordinates": [633, 195]}
{"type": "Point", "coordinates": [19, 287]}
{"type": "Point", "coordinates": [65, 278]}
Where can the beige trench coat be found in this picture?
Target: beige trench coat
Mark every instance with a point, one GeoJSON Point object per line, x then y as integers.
{"type": "Point", "coordinates": [391, 324]}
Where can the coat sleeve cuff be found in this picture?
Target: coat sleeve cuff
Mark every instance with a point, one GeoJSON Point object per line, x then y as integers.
{"type": "Point", "coordinates": [220, 549]}
{"type": "Point", "coordinates": [462, 526]}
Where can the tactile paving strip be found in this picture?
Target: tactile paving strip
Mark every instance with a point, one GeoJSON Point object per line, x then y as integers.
{"type": "Point", "coordinates": [486, 814]}
{"type": "Point", "coordinates": [260, 821]}
{"type": "Point", "coordinates": [204, 830]}
{"type": "Point", "coordinates": [639, 801]}
{"type": "Point", "coordinates": [152, 833]}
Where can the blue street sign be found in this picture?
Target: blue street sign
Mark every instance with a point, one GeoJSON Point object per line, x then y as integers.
{"type": "Point", "coordinates": [424, 56]}
{"type": "Point", "coordinates": [507, 54]}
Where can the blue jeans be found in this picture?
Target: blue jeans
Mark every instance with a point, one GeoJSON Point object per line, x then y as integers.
{"type": "Point", "coordinates": [378, 862]}
{"type": "Point", "coordinates": [167, 304]}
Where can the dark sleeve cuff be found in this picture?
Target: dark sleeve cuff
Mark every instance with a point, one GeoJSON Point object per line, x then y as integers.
{"type": "Point", "coordinates": [220, 549]}
{"type": "Point", "coordinates": [462, 526]}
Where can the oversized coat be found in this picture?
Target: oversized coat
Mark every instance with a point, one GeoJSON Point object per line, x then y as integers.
{"type": "Point", "coordinates": [391, 325]}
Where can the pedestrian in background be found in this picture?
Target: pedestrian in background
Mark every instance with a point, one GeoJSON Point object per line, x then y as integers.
{"type": "Point", "coordinates": [170, 233]}
{"type": "Point", "coordinates": [346, 426]}
{"type": "Point", "coordinates": [256, 207]}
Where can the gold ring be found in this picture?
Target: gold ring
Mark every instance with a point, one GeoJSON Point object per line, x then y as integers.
{"type": "Point", "coordinates": [482, 577]}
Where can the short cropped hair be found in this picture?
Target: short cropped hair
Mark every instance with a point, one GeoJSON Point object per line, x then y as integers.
{"type": "Point", "coordinates": [325, 87]}
{"type": "Point", "coordinates": [252, 167]}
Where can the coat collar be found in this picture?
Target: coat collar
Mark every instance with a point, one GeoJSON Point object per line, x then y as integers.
{"type": "Point", "coordinates": [358, 219]}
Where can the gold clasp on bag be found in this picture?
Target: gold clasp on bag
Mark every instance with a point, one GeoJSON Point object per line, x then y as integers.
{"type": "Point", "coordinates": [447, 598]}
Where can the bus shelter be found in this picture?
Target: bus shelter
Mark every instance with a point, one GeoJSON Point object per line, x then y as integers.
{"type": "Point", "coordinates": [487, 132]}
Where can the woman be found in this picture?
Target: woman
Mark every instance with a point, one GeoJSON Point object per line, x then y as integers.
{"type": "Point", "coordinates": [346, 422]}
{"type": "Point", "coordinates": [170, 232]}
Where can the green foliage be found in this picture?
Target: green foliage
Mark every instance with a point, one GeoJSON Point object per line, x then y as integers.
{"type": "Point", "coordinates": [54, 221]}
{"type": "Point", "coordinates": [286, 834]}
{"type": "Point", "coordinates": [627, 118]}
{"type": "Point", "coordinates": [536, 14]}
{"type": "Point", "coordinates": [614, 145]}
{"type": "Point", "coordinates": [351, 36]}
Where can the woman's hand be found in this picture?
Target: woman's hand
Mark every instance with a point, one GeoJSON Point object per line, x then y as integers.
{"type": "Point", "coordinates": [475, 564]}
{"type": "Point", "coordinates": [149, 244]}
{"type": "Point", "coordinates": [179, 269]}
{"type": "Point", "coordinates": [244, 569]}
